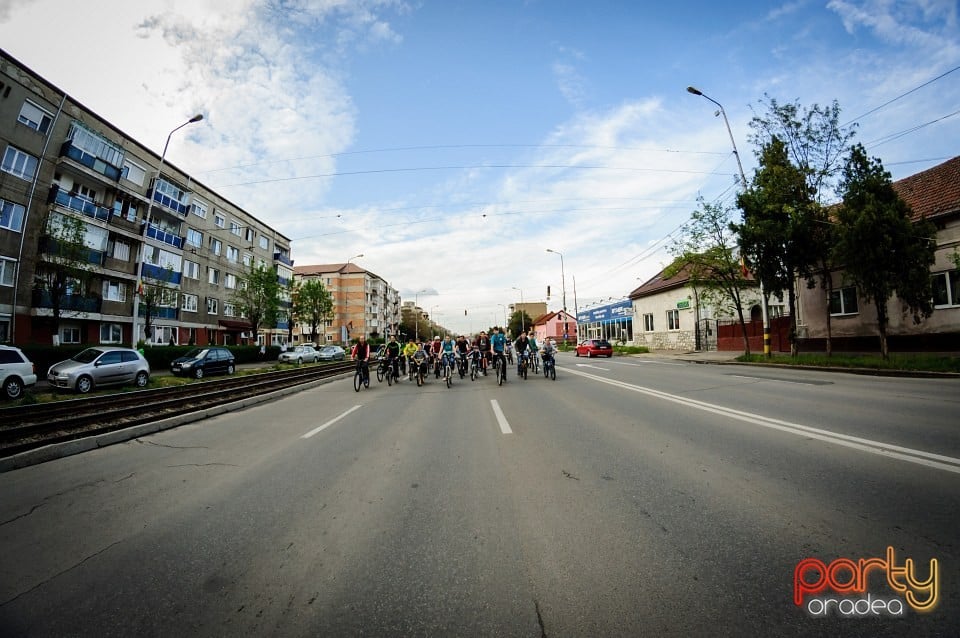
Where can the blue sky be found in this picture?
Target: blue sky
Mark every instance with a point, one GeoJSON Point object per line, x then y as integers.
{"type": "Point", "coordinates": [451, 143]}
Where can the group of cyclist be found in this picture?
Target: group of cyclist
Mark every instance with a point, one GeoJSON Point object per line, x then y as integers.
{"type": "Point", "coordinates": [460, 354]}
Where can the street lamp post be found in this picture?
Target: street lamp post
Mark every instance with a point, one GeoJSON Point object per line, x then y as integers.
{"type": "Point", "coordinates": [146, 230]}
{"type": "Point", "coordinates": [523, 325]}
{"type": "Point", "coordinates": [416, 312]}
{"type": "Point", "coordinates": [504, 315]}
{"type": "Point", "coordinates": [563, 286]}
{"type": "Point", "coordinates": [743, 177]}
{"type": "Point", "coordinates": [345, 322]}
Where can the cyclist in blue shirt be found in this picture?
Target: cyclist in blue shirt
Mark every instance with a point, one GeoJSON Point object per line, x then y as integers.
{"type": "Point", "coordinates": [498, 343]}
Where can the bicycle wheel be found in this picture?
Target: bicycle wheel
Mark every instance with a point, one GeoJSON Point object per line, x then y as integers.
{"type": "Point", "coordinates": [357, 381]}
{"type": "Point", "coordinates": [448, 376]}
{"type": "Point", "coordinates": [379, 374]}
{"type": "Point", "coordinates": [390, 377]}
{"type": "Point", "coordinates": [553, 373]}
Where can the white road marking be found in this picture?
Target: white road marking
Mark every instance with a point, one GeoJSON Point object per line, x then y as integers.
{"type": "Point", "coordinates": [936, 461]}
{"type": "Point", "coordinates": [587, 365]}
{"type": "Point", "coordinates": [744, 376]}
{"type": "Point", "coordinates": [329, 423]}
{"type": "Point", "coordinates": [648, 361]}
{"type": "Point", "coordinates": [502, 420]}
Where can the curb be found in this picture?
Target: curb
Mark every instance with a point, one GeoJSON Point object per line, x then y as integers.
{"type": "Point", "coordinates": [875, 372]}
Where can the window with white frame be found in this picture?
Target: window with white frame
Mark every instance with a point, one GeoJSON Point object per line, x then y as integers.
{"type": "Point", "coordinates": [8, 269]}
{"type": "Point", "coordinates": [120, 250]}
{"type": "Point", "coordinates": [235, 228]}
{"type": "Point", "coordinates": [212, 306]}
{"type": "Point", "coordinates": [230, 281]}
{"type": "Point", "coordinates": [228, 310]}
{"type": "Point", "coordinates": [264, 242]}
{"type": "Point", "coordinates": [843, 301]}
{"type": "Point", "coordinates": [35, 117]}
{"type": "Point", "coordinates": [247, 260]}
{"type": "Point", "coordinates": [18, 163]}
{"type": "Point", "coordinates": [213, 276]}
{"type": "Point", "coordinates": [194, 238]}
{"type": "Point", "coordinates": [219, 220]}
{"type": "Point", "coordinates": [11, 215]}
{"type": "Point", "coordinates": [164, 335]}
{"type": "Point", "coordinates": [199, 209]}
{"type": "Point", "coordinates": [69, 334]}
{"type": "Point", "coordinates": [133, 172]}
{"type": "Point", "coordinates": [946, 289]}
{"type": "Point", "coordinates": [673, 319]}
{"type": "Point", "coordinates": [168, 298]}
{"type": "Point", "coordinates": [111, 333]}
{"type": "Point", "coordinates": [191, 269]}
{"type": "Point", "coordinates": [249, 235]}
{"type": "Point", "coordinates": [216, 246]}
{"type": "Point", "coordinates": [233, 254]}
{"type": "Point", "coordinates": [114, 290]}
{"type": "Point", "coordinates": [648, 322]}
{"type": "Point", "coordinates": [189, 303]}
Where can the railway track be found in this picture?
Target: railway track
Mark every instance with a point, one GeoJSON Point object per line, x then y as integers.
{"type": "Point", "coordinates": [28, 427]}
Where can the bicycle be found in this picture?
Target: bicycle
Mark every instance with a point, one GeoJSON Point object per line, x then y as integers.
{"type": "Point", "coordinates": [475, 358]}
{"type": "Point", "coordinates": [523, 363]}
{"type": "Point", "coordinates": [447, 368]}
{"type": "Point", "coordinates": [500, 363]}
{"type": "Point", "coordinates": [362, 375]}
{"type": "Point", "coordinates": [549, 367]}
{"type": "Point", "coordinates": [535, 362]}
{"type": "Point", "coordinates": [381, 369]}
{"type": "Point", "coordinates": [462, 364]}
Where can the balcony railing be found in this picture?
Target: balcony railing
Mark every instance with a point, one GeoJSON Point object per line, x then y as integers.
{"type": "Point", "coordinates": [283, 325]}
{"type": "Point", "coordinates": [51, 246]}
{"type": "Point", "coordinates": [159, 312]}
{"type": "Point", "coordinates": [79, 204]}
{"type": "Point", "coordinates": [155, 232]}
{"type": "Point", "coordinates": [168, 202]}
{"type": "Point", "coordinates": [283, 259]}
{"type": "Point", "coordinates": [90, 161]}
{"type": "Point", "coordinates": [43, 299]}
{"type": "Point", "coordinates": [283, 281]}
{"type": "Point", "coordinates": [162, 274]}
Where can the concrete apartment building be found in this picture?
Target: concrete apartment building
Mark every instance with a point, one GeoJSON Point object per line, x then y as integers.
{"type": "Point", "coordinates": [61, 161]}
{"type": "Point", "coordinates": [363, 303]}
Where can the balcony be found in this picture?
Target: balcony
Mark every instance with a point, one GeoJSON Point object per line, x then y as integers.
{"type": "Point", "coordinates": [164, 275]}
{"type": "Point", "coordinates": [78, 303]}
{"type": "Point", "coordinates": [166, 201]}
{"type": "Point", "coordinates": [90, 161]}
{"type": "Point", "coordinates": [51, 246]}
{"type": "Point", "coordinates": [283, 281]}
{"type": "Point", "coordinates": [155, 232]}
{"type": "Point", "coordinates": [79, 204]}
{"type": "Point", "coordinates": [283, 325]}
{"type": "Point", "coordinates": [160, 312]}
{"type": "Point", "coordinates": [283, 259]}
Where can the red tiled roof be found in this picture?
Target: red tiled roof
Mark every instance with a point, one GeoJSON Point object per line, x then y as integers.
{"type": "Point", "coordinates": [658, 283]}
{"type": "Point", "coordinates": [933, 192]}
{"type": "Point", "coordinates": [323, 269]}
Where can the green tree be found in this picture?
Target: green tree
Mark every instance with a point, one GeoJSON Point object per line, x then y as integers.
{"type": "Point", "coordinates": [65, 270]}
{"type": "Point", "coordinates": [313, 305]}
{"type": "Point", "coordinates": [776, 230]}
{"type": "Point", "coordinates": [706, 249]}
{"type": "Point", "coordinates": [519, 321]}
{"type": "Point", "coordinates": [881, 249]}
{"type": "Point", "coordinates": [257, 297]}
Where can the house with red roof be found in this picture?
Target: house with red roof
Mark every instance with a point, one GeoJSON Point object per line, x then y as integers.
{"type": "Point", "coordinates": [554, 325]}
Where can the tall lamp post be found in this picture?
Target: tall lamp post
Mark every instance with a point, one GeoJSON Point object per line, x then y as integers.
{"type": "Point", "coordinates": [523, 325]}
{"type": "Point", "coordinates": [743, 177]}
{"type": "Point", "coordinates": [345, 325]}
{"type": "Point", "coordinates": [416, 312]}
{"type": "Point", "coordinates": [504, 315]}
{"type": "Point", "coordinates": [563, 286]}
{"type": "Point", "coordinates": [146, 229]}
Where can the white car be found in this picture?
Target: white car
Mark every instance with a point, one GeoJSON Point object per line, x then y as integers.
{"type": "Point", "coordinates": [299, 354]}
{"type": "Point", "coordinates": [16, 372]}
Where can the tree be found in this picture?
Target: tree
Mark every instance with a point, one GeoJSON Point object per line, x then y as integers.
{"type": "Point", "coordinates": [706, 249]}
{"type": "Point", "coordinates": [312, 304]}
{"type": "Point", "coordinates": [816, 144]}
{"type": "Point", "coordinates": [519, 321]}
{"type": "Point", "coordinates": [881, 249]}
{"type": "Point", "coordinates": [776, 230]}
{"type": "Point", "coordinates": [257, 297]}
{"type": "Point", "coordinates": [66, 269]}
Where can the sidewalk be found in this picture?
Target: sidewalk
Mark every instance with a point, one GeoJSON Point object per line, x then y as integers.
{"type": "Point", "coordinates": [703, 356]}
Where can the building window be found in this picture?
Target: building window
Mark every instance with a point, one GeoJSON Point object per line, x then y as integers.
{"type": "Point", "coordinates": [114, 290]}
{"type": "Point", "coordinates": [133, 173]}
{"type": "Point", "coordinates": [111, 333]}
{"type": "Point", "coordinates": [120, 250]}
{"type": "Point", "coordinates": [194, 238]}
{"type": "Point", "coordinates": [264, 243]}
{"type": "Point", "coordinates": [248, 235]}
{"type": "Point", "coordinates": [230, 281]}
{"type": "Point", "coordinates": [946, 289]}
{"type": "Point", "coordinates": [191, 269]}
{"type": "Point", "coordinates": [69, 334]}
{"type": "Point", "coordinates": [211, 306]}
{"type": "Point", "coordinates": [219, 220]}
{"type": "Point", "coordinates": [673, 319]}
{"type": "Point", "coordinates": [228, 310]}
{"type": "Point", "coordinates": [163, 335]}
{"type": "Point", "coordinates": [8, 268]}
{"type": "Point", "coordinates": [235, 228]}
{"type": "Point", "coordinates": [233, 254]}
{"type": "Point", "coordinates": [34, 117]}
{"type": "Point", "coordinates": [189, 303]}
{"type": "Point", "coordinates": [213, 276]}
{"type": "Point", "coordinates": [216, 246]}
{"type": "Point", "coordinates": [18, 163]}
{"type": "Point", "coordinates": [247, 260]}
{"type": "Point", "coordinates": [11, 215]}
{"type": "Point", "coordinates": [199, 209]}
{"type": "Point", "coordinates": [648, 322]}
{"type": "Point", "coordinates": [844, 301]}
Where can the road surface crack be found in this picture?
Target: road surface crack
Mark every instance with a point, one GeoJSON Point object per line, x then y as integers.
{"type": "Point", "coordinates": [543, 629]}
{"type": "Point", "coordinates": [173, 447]}
{"type": "Point", "coordinates": [570, 476]}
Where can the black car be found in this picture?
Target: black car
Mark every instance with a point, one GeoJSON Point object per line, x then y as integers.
{"type": "Point", "coordinates": [203, 361]}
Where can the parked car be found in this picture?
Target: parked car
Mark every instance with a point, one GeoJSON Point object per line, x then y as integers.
{"type": "Point", "coordinates": [17, 372]}
{"type": "Point", "coordinates": [332, 353]}
{"type": "Point", "coordinates": [299, 354]}
{"type": "Point", "coordinates": [594, 348]}
{"type": "Point", "coordinates": [100, 366]}
{"type": "Point", "coordinates": [200, 362]}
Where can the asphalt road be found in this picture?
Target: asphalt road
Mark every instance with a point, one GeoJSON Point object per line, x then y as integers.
{"type": "Point", "coordinates": [631, 497]}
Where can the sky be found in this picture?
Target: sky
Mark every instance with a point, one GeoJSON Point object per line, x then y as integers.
{"type": "Point", "coordinates": [452, 143]}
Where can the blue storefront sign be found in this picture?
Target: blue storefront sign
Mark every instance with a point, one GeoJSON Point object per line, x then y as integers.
{"type": "Point", "coordinates": [610, 313]}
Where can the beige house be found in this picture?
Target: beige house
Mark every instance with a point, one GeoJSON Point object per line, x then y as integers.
{"type": "Point", "coordinates": [935, 195]}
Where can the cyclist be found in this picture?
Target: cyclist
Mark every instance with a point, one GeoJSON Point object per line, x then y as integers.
{"type": "Point", "coordinates": [463, 347]}
{"type": "Point", "coordinates": [534, 349]}
{"type": "Point", "coordinates": [522, 347]}
{"type": "Point", "coordinates": [392, 352]}
{"type": "Point", "coordinates": [498, 344]}
{"type": "Point", "coordinates": [436, 350]}
{"type": "Point", "coordinates": [548, 352]}
{"type": "Point", "coordinates": [408, 351]}
{"type": "Point", "coordinates": [361, 354]}
{"type": "Point", "coordinates": [483, 345]}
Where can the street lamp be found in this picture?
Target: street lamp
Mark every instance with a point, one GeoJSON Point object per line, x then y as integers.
{"type": "Point", "coordinates": [146, 230]}
{"type": "Point", "coordinates": [416, 310]}
{"type": "Point", "coordinates": [563, 285]}
{"type": "Point", "coordinates": [504, 315]}
{"type": "Point", "coordinates": [523, 325]}
{"type": "Point", "coordinates": [743, 177]}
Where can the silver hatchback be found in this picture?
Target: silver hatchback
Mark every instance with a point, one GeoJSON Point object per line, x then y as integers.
{"type": "Point", "coordinates": [100, 366]}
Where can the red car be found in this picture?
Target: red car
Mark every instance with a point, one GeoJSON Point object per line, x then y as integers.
{"type": "Point", "coordinates": [595, 348]}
